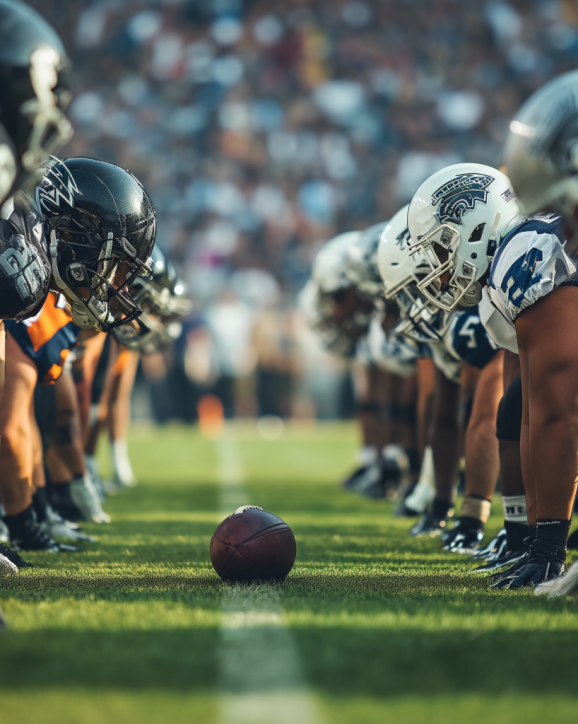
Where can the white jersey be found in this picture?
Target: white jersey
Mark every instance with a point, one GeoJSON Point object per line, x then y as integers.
{"type": "Point", "coordinates": [530, 262]}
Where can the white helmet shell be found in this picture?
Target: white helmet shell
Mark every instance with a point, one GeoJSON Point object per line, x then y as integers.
{"type": "Point", "coordinates": [329, 271]}
{"type": "Point", "coordinates": [454, 219]}
{"type": "Point", "coordinates": [401, 273]}
{"type": "Point", "coordinates": [541, 151]}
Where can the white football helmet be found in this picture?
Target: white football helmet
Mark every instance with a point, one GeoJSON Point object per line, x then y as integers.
{"type": "Point", "coordinates": [329, 271]}
{"type": "Point", "coordinates": [454, 219]}
{"type": "Point", "coordinates": [401, 273]}
{"type": "Point", "coordinates": [362, 268]}
{"type": "Point", "coordinates": [541, 151]}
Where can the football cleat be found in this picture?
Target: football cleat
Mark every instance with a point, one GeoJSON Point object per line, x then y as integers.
{"type": "Point", "coordinates": [431, 524]}
{"type": "Point", "coordinates": [86, 499]}
{"type": "Point", "coordinates": [35, 540]}
{"type": "Point", "coordinates": [55, 526]}
{"type": "Point", "coordinates": [13, 557]}
{"type": "Point", "coordinates": [7, 568]}
{"type": "Point", "coordinates": [370, 483]}
{"type": "Point", "coordinates": [495, 545]}
{"type": "Point", "coordinates": [499, 560]}
{"type": "Point", "coordinates": [465, 537]}
{"type": "Point", "coordinates": [532, 573]}
{"type": "Point", "coordinates": [351, 480]}
{"type": "Point", "coordinates": [78, 500]}
{"type": "Point", "coordinates": [561, 586]}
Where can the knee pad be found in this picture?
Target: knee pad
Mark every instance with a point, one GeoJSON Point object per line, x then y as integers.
{"type": "Point", "coordinates": [509, 420]}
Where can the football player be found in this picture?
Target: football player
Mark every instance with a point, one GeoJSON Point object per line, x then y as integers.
{"type": "Point", "coordinates": [34, 76]}
{"type": "Point", "coordinates": [94, 228]}
{"type": "Point", "coordinates": [163, 299]}
{"type": "Point", "coordinates": [542, 160]}
{"type": "Point", "coordinates": [35, 92]}
{"type": "Point", "coordinates": [466, 222]}
{"type": "Point", "coordinates": [342, 312]}
{"type": "Point", "coordinates": [460, 347]}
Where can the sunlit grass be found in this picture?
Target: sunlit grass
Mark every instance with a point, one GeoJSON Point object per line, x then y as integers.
{"type": "Point", "coordinates": [387, 628]}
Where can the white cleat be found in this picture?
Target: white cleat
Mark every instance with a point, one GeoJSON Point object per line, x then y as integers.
{"type": "Point", "coordinates": [55, 526]}
{"type": "Point", "coordinates": [86, 499]}
{"type": "Point", "coordinates": [124, 476]}
{"type": "Point", "coordinates": [562, 586]}
{"type": "Point", "coordinates": [7, 568]}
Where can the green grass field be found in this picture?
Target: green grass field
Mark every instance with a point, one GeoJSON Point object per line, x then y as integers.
{"type": "Point", "coordinates": [382, 627]}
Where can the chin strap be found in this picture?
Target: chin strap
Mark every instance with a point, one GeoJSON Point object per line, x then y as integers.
{"type": "Point", "coordinates": [82, 315]}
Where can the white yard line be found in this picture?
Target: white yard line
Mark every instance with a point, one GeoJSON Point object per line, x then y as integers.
{"type": "Point", "coordinates": [262, 681]}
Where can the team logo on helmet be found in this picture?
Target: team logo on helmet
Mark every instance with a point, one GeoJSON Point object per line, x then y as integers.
{"type": "Point", "coordinates": [460, 195]}
{"type": "Point", "coordinates": [402, 239]}
{"type": "Point", "coordinates": [57, 188]}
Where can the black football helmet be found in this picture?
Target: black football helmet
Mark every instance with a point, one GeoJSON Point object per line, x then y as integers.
{"type": "Point", "coordinates": [102, 229]}
{"type": "Point", "coordinates": [163, 299]}
{"type": "Point", "coordinates": [35, 89]}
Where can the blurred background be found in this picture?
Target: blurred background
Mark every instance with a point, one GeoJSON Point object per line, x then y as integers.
{"type": "Point", "coordinates": [262, 128]}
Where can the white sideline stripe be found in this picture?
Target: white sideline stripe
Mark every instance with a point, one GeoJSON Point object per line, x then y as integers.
{"type": "Point", "coordinates": [261, 678]}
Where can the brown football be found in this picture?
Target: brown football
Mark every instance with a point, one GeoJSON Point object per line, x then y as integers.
{"type": "Point", "coordinates": [253, 545]}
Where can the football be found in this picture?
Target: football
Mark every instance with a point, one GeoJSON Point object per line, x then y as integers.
{"type": "Point", "coordinates": [253, 545]}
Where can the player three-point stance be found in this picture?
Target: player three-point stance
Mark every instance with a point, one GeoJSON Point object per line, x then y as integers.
{"type": "Point", "coordinates": [95, 229]}
{"type": "Point", "coordinates": [341, 310]}
{"type": "Point", "coordinates": [462, 353]}
{"type": "Point", "coordinates": [542, 157]}
{"type": "Point", "coordinates": [465, 220]}
{"type": "Point", "coordinates": [35, 93]}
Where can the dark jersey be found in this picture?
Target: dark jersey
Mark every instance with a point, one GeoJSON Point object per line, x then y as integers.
{"type": "Point", "coordinates": [8, 165]}
{"type": "Point", "coordinates": [25, 270]}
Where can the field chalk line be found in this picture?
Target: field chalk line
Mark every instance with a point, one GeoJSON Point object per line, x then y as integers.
{"type": "Point", "coordinates": [261, 677]}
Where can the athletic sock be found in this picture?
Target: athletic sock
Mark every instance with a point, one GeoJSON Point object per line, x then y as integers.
{"type": "Point", "coordinates": [517, 535]}
{"type": "Point", "coordinates": [21, 524]}
{"type": "Point", "coordinates": [40, 504]}
{"type": "Point", "coordinates": [440, 507]}
{"type": "Point", "coordinates": [516, 521]}
{"type": "Point", "coordinates": [551, 539]}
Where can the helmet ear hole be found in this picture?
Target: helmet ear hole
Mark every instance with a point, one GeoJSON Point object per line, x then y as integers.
{"type": "Point", "coordinates": [477, 233]}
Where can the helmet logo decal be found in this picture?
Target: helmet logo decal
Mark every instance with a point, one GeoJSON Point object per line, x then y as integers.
{"type": "Point", "coordinates": [57, 185]}
{"type": "Point", "coordinates": [460, 195]}
{"type": "Point", "coordinates": [402, 239]}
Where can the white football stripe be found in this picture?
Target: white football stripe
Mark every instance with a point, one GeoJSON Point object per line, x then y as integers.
{"type": "Point", "coordinates": [261, 674]}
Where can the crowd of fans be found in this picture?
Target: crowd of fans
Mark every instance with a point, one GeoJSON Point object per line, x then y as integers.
{"type": "Point", "coordinates": [261, 128]}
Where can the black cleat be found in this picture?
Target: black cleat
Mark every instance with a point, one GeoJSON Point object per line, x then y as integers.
{"type": "Point", "coordinates": [497, 562]}
{"type": "Point", "coordinates": [13, 557]}
{"type": "Point", "coordinates": [351, 480]}
{"type": "Point", "coordinates": [534, 572]}
{"type": "Point", "coordinates": [431, 524]}
{"type": "Point", "coordinates": [36, 540]}
{"type": "Point", "coordinates": [494, 546]}
{"type": "Point", "coordinates": [465, 536]}
{"type": "Point", "coordinates": [370, 483]}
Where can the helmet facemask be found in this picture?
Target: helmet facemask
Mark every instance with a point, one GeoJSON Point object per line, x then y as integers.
{"type": "Point", "coordinates": [419, 320]}
{"type": "Point", "coordinates": [461, 287]}
{"type": "Point", "coordinates": [99, 299]}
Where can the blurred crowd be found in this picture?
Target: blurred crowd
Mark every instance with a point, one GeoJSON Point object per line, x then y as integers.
{"type": "Point", "coordinates": [262, 128]}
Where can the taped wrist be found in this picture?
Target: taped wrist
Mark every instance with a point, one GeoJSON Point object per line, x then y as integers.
{"type": "Point", "coordinates": [551, 539]}
{"type": "Point", "coordinates": [476, 507]}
